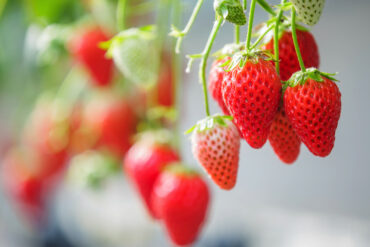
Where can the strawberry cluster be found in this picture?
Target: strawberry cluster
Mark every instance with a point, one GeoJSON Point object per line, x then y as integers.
{"type": "Point", "coordinates": [267, 93]}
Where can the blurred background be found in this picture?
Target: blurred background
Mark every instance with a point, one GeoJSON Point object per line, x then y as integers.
{"type": "Point", "coordinates": [315, 202]}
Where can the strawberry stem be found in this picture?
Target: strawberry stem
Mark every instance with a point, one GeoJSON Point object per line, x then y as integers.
{"type": "Point", "coordinates": [188, 26]}
{"type": "Point", "coordinates": [203, 63]}
{"type": "Point", "coordinates": [261, 37]}
{"type": "Point", "coordinates": [250, 25]}
{"type": "Point", "coordinates": [121, 14]}
{"type": "Point", "coordinates": [266, 7]}
{"type": "Point", "coordinates": [176, 75]}
{"type": "Point", "coordinates": [295, 41]}
{"type": "Point", "coordinates": [276, 39]}
{"type": "Point", "coordinates": [237, 34]}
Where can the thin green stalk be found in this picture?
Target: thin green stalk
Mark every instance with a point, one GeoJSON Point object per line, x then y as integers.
{"type": "Point", "coordinates": [244, 5]}
{"type": "Point", "coordinates": [276, 39]}
{"type": "Point", "coordinates": [266, 7]}
{"type": "Point", "coordinates": [250, 25]}
{"type": "Point", "coordinates": [188, 26]}
{"type": "Point", "coordinates": [295, 41]}
{"type": "Point", "coordinates": [237, 34]}
{"type": "Point", "coordinates": [261, 37]}
{"type": "Point", "coordinates": [176, 75]}
{"type": "Point", "coordinates": [203, 63]}
{"type": "Point", "coordinates": [121, 14]}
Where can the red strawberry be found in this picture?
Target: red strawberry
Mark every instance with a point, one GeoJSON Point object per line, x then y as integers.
{"type": "Point", "coordinates": [288, 57]}
{"type": "Point", "coordinates": [22, 180]}
{"type": "Point", "coordinates": [143, 164]}
{"type": "Point", "coordinates": [113, 121]}
{"type": "Point", "coordinates": [283, 138]}
{"type": "Point", "coordinates": [216, 76]}
{"type": "Point", "coordinates": [86, 50]}
{"type": "Point", "coordinates": [252, 95]}
{"type": "Point", "coordinates": [313, 107]}
{"type": "Point", "coordinates": [215, 144]}
{"type": "Point", "coordinates": [48, 138]}
{"type": "Point", "coordinates": [181, 198]}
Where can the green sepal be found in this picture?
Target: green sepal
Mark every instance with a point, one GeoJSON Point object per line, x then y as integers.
{"type": "Point", "coordinates": [209, 123]}
{"type": "Point", "coordinates": [230, 10]}
{"type": "Point", "coordinates": [300, 77]}
{"type": "Point", "coordinates": [242, 57]}
{"type": "Point", "coordinates": [175, 32]}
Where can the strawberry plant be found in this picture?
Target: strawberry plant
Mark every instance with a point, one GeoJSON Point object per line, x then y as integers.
{"type": "Point", "coordinates": [114, 100]}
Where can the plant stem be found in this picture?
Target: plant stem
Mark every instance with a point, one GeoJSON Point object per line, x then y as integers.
{"type": "Point", "coordinates": [266, 7]}
{"type": "Point", "coordinates": [188, 26]}
{"type": "Point", "coordinates": [244, 5]}
{"type": "Point", "coordinates": [237, 34]}
{"type": "Point", "coordinates": [261, 37]}
{"type": "Point", "coordinates": [250, 25]}
{"type": "Point", "coordinates": [121, 14]}
{"type": "Point", "coordinates": [203, 63]}
{"type": "Point", "coordinates": [295, 41]}
{"type": "Point", "coordinates": [176, 73]}
{"type": "Point", "coordinates": [276, 39]}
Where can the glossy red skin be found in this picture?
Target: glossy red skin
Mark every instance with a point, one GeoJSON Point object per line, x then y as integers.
{"type": "Point", "coordinates": [252, 95]}
{"type": "Point", "coordinates": [113, 121]}
{"type": "Point", "coordinates": [143, 164]}
{"type": "Point", "coordinates": [181, 201]}
{"type": "Point", "coordinates": [314, 110]}
{"type": "Point", "coordinates": [216, 76]}
{"type": "Point", "coordinates": [288, 57]}
{"type": "Point", "coordinates": [283, 139]}
{"type": "Point", "coordinates": [86, 50]}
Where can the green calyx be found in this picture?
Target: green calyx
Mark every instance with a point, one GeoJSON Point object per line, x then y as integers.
{"type": "Point", "coordinates": [300, 77]}
{"type": "Point", "coordinates": [242, 57]}
{"type": "Point", "coordinates": [230, 10]}
{"type": "Point", "coordinates": [209, 123]}
{"type": "Point", "coordinates": [179, 169]}
{"type": "Point", "coordinates": [158, 137]}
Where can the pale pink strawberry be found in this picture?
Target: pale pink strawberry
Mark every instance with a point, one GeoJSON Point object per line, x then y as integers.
{"type": "Point", "coordinates": [215, 144]}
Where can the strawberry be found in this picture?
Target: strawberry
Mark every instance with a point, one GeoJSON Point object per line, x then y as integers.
{"type": "Point", "coordinates": [283, 138]}
{"type": "Point", "coordinates": [181, 198]}
{"type": "Point", "coordinates": [313, 104]}
{"type": "Point", "coordinates": [113, 122]}
{"type": "Point", "coordinates": [309, 11]}
{"type": "Point", "coordinates": [252, 92]}
{"type": "Point", "coordinates": [22, 180]}
{"type": "Point", "coordinates": [143, 164]}
{"type": "Point", "coordinates": [287, 55]}
{"type": "Point", "coordinates": [216, 76]}
{"type": "Point", "coordinates": [86, 50]}
{"type": "Point", "coordinates": [47, 137]}
{"type": "Point", "coordinates": [215, 144]}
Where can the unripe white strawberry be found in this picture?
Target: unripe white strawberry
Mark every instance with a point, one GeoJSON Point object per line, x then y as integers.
{"type": "Point", "coordinates": [309, 11]}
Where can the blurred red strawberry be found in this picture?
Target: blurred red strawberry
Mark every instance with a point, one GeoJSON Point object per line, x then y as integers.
{"type": "Point", "coordinates": [47, 136]}
{"type": "Point", "coordinates": [113, 122]}
{"type": "Point", "coordinates": [144, 162]}
{"type": "Point", "coordinates": [22, 181]}
{"type": "Point", "coordinates": [86, 50]}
